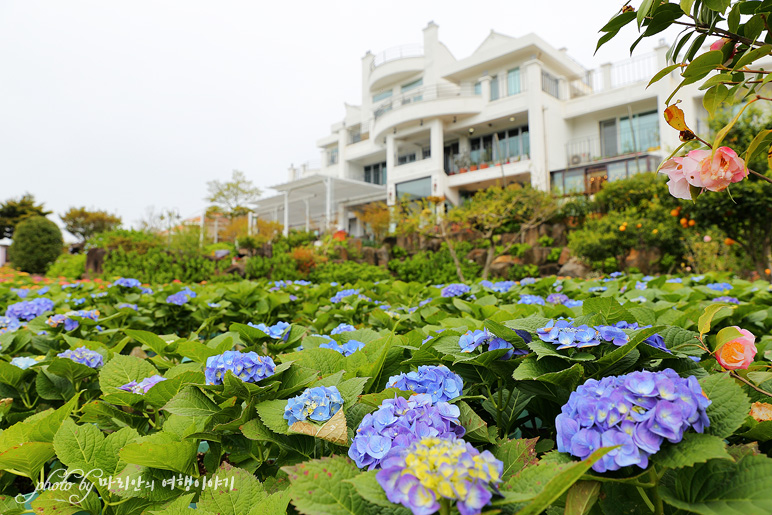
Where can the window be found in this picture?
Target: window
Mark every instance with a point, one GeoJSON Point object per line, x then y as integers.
{"type": "Point", "coordinates": [375, 173]}
{"type": "Point", "coordinates": [478, 88]}
{"type": "Point", "coordinates": [557, 183]}
{"type": "Point", "coordinates": [501, 146]}
{"type": "Point", "coordinates": [641, 135]}
{"type": "Point", "coordinates": [574, 181]}
{"type": "Point", "coordinates": [616, 171]}
{"type": "Point", "coordinates": [418, 188]}
{"type": "Point", "coordinates": [383, 95]}
{"type": "Point", "coordinates": [406, 158]}
{"type": "Point", "coordinates": [332, 156]}
{"type": "Point", "coordinates": [451, 158]}
{"type": "Point", "coordinates": [513, 81]}
{"type": "Point", "coordinates": [413, 85]}
{"type": "Point", "coordinates": [549, 84]}
{"type": "Point", "coordinates": [495, 87]}
{"type": "Point", "coordinates": [608, 138]}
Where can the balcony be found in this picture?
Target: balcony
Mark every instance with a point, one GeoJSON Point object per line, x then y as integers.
{"type": "Point", "coordinates": [491, 174]}
{"type": "Point", "coordinates": [396, 64]}
{"type": "Point", "coordinates": [425, 102]}
{"type": "Point", "coordinates": [615, 75]}
{"type": "Point", "coordinates": [582, 151]}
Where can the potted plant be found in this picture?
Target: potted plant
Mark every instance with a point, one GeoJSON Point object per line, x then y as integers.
{"type": "Point", "coordinates": [462, 162]}
{"type": "Point", "coordinates": [486, 159]}
{"type": "Point", "coordinates": [473, 167]}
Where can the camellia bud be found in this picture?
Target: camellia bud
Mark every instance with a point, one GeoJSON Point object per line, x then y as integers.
{"type": "Point", "coordinates": [737, 353]}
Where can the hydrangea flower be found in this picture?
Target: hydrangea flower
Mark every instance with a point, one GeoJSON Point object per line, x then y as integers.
{"type": "Point", "coordinates": [557, 298]}
{"type": "Point", "coordinates": [278, 331]}
{"type": "Point", "coordinates": [641, 285]}
{"type": "Point", "coordinates": [127, 283]}
{"type": "Point", "coordinates": [566, 336]}
{"type": "Point", "coordinates": [531, 299]}
{"type": "Point", "coordinates": [84, 356]}
{"type": "Point", "coordinates": [437, 381]}
{"type": "Point", "coordinates": [697, 278]}
{"type": "Point", "coordinates": [20, 292]}
{"type": "Point", "coordinates": [29, 309]}
{"type": "Point", "coordinates": [727, 299]}
{"type": "Point", "coordinates": [647, 278]}
{"type": "Point", "coordinates": [525, 281]}
{"type": "Point", "coordinates": [616, 274]}
{"type": "Point", "coordinates": [594, 289]}
{"type": "Point", "coordinates": [250, 367]}
{"type": "Point", "coordinates": [127, 305]}
{"type": "Point", "coordinates": [431, 469]}
{"type": "Point", "coordinates": [318, 404]}
{"type": "Point", "coordinates": [398, 423]}
{"type": "Point", "coordinates": [338, 297]}
{"type": "Point", "coordinates": [425, 302]}
{"type": "Point", "coordinates": [640, 299]}
{"type": "Point", "coordinates": [143, 386]}
{"type": "Point", "coordinates": [454, 290]}
{"type": "Point", "coordinates": [470, 340]}
{"type": "Point", "coordinates": [181, 297]}
{"type": "Point", "coordinates": [347, 349]}
{"type": "Point", "coordinates": [720, 286]}
{"type": "Point", "coordinates": [675, 280]}
{"type": "Point", "coordinates": [23, 362]}
{"type": "Point", "coordinates": [637, 411]}
{"type": "Point", "coordinates": [343, 328]}
{"type": "Point", "coordinates": [69, 322]}
{"type": "Point", "coordinates": [573, 303]}
{"type": "Point", "coordinates": [499, 286]}
{"type": "Point", "coordinates": [9, 324]}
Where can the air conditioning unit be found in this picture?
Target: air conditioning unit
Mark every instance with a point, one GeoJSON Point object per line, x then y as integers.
{"type": "Point", "coordinates": [576, 159]}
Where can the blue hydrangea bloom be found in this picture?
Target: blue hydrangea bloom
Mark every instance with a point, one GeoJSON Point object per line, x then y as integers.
{"type": "Point", "coordinates": [347, 349]}
{"type": "Point", "coordinates": [525, 281]}
{"type": "Point", "coordinates": [318, 404]}
{"type": "Point", "coordinates": [250, 367]}
{"type": "Point", "coordinates": [343, 328]}
{"type": "Point", "coordinates": [641, 285]}
{"type": "Point", "coordinates": [338, 297]}
{"type": "Point", "coordinates": [637, 411]}
{"type": "Point", "coordinates": [594, 289]}
{"type": "Point", "coordinates": [20, 292]}
{"type": "Point", "coordinates": [9, 324]}
{"type": "Point", "coordinates": [616, 274]}
{"type": "Point", "coordinates": [181, 297]}
{"type": "Point", "coordinates": [727, 299]}
{"type": "Point", "coordinates": [399, 422]}
{"type": "Point", "coordinates": [69, 322]}
{"type": "Point", "coordinates": [127, 283]}
{"type": "Point", "coordinates": [557, 298]}
{"type": "Point", "coordinates": [454, 290]}
{"type": "Point", "coordinates": [123, 305]}
{"type": "Point", "coordinates": [437, 381]}
{"type": "Point", "coordinates": [278, 331]}
{"type": "Point", "coordinates": [146, 291]}
{"type": "Point", "coordinates": [471, 340]}
{"type": "Point", "coordinates": [531, 299]}
{"type": "Point", "coordinates": [647, 278]}
{"type": "Point", "coordinates": [720, 286]}
{"type": "Point", "coordinates": [143, 386]}
{"type": "Point", "coordinates": [499, 286]}
{"type": "Point", "coordinates": [78, 302]}
{"type": "Point", "coordinates": [84, 356]}
{"type": "Point", "coordinates": [566, 336]}
{"type": "Point", "coordinates": [425, 302]}
{"type": "Point", "coordinates": [29, 309]}
{"type": "Point", "coordinates": [573, 303]}
{"type": "Point", "coordinates": [640, 299]}
{"type": "Point", "coordinates": [23, 362]}
{"type": "Point", "coordinates": [697, 278]}
{"type": "Point", "coordinates": [676, 280]}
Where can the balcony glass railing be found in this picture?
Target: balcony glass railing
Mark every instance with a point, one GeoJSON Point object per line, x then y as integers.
{"type": "Point", "coordinates": [422, 94]}
{"type": "Point", "coordinates": [581, 151]}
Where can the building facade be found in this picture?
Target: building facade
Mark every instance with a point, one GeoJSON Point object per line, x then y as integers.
{"type": "Point", "coordinates": [516, 110]}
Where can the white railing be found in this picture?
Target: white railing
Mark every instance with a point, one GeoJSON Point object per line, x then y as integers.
{"type": "Point", "coordinates": [399, 52]}
{"type": "Point", "coordinates": [630, 71]}
{"type": "Point", "coordinates": [422, 94]}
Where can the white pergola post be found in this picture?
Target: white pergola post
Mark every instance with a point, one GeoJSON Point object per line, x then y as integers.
{"type": "Point", "coordinates": [286, 213]}
{"type": "Point", "coordinates": [308, 214]}
{"type": "Point", "coordinates": [328, 203]}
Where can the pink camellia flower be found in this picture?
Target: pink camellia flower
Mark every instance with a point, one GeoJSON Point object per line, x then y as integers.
{"type": "Point", "coordinates": [707, 238]}
{"type": "Point", "coordinates": [678, 185]}
{"type": "Point", "coordinates": [719, 43]}
{"type": "Point", "coordinates": [737, 353]}
{"type": "Point", "coordinates": [725, 168]}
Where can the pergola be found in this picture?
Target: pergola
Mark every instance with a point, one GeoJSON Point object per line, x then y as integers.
{"type": "Point", "coordinates": [317, 198]}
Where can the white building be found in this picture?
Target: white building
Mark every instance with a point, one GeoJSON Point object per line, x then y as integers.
{"type": "Point", "coordinates": [516, 109]}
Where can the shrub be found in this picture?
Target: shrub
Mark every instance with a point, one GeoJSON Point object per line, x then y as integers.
{"type": "Point", "coordinates": [37, 242]}
{"type": "Point", "coordinates": [279, 267]}
{"type": "Point", "coordinates": [71, 266]}
{"type": "Point", "coordinates": [159, 266]}
{"type": "Point", "coordinates": [128, 240]}
{"type": "Point", "coordinates": [348, 272]}
{"type": "Point", "coordinates": [435, 267]}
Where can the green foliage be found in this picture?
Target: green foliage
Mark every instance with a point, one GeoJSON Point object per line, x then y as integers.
{"type": "Point", "coordinates": [434, 267]}
{"type": "Point", "coordinates": [157, 265]}
{"type": "Point", "coordinates": [281, 266]}
{"type": "Point", "coordinates": [233, 197]}
{"type": "Point", "coordinates": [125, 239]}
{"type": "Point", "coordinates": [37, 242]}
{"type": "Point", "coordinates": [13, 211]}
{"type": "Point", "coordinates": [348, 272]}
{"type": "Point", "coordinates": [71, 266]}
{"type": "Point", "coordinates": [83, 223]}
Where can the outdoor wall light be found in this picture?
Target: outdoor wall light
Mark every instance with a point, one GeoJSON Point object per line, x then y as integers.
{"type": "Point", "coordinates": [471, 130]}
{"type": "Point", "coordinates": [511, 118]}
{"type": "Point", "coordinates": [454, 119]}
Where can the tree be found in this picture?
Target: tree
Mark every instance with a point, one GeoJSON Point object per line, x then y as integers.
{"type": "Point", "coordinates": [377, 218]}
{"type": "Point", "coordinates": [12, 211]}
{"type": "Point", "coordinates": [233, 197]}
{"type": "Point", "coordinates": [36, 244]}
{"type": "Point", "coordinates": [497, 210]}
{"type": "Point", "coordinates": [84, 223]}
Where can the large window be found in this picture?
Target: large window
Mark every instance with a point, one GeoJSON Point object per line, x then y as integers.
{"type": "Point", "coordinates": [501, 146]}
{"type": "Point", "coordinates": [478, 88]}
{"type": "Point", "coordinates": [549, 84]}
{"type": "Point", "coordinates": [513, 81]}
{"type": "Point", "coordinates": [495, 87]}
{"type": "Point", "coordinates": [413, 85]}
{"type": "Point", "coordinates": [332, 156]}
{"type": "Point", "coordinates": [641, 135]}
{"type": "Point", "coordinates": [383, 95]}
{"type": "Point", "coordinates": [418, 188]}
{"type": "Point", "coordinates": [375, 173]}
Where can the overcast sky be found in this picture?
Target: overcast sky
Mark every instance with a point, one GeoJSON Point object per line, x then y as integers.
{"type": "Point", "coordinates": [125, 104]}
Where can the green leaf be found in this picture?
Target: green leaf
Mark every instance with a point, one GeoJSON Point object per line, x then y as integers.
{"type": "Point", "coordinates": [752, 55]}
{"type": "Point", "coordinates": [124, 369]}
{"type": "Point", "coordinates": [192, 402]}
{"type": "Point", "coordinates": [727, 334]}
{"type": "Point", "coordinates": [663, 72]}
{"type": "Point", "coordinates": [686, 6]}
{"type": "Point", "coordinates": [717, 5]}
{"type": "Point", "coordinates": [195, 351]}
{"type": "Point", "coordinates": [162, 451]}
{"type": "Point", "coordinates": [106, 458]}
{"type": "Point", "coordinates": [162, 392]}
{"type": "Point", "coordinates": [319, 487]}
{"type": "Point", "coordinates": [703, 324]}
{"type": "Point", "coordinates": [703, 64]}
{"type": "Point", "coordinates": [53, 502]}
{"type": "Point", "coordinates": [549, 371]}
{"type": "Point", "coordinates": [10, 374]}
{"type": "Point", "coordinates": [609, 308]}
{"type": "Point", "coordinates": [375, 399]}
{"type": "Point", "coordinates": [581, 497]}
{"type": "Point", "coordinates": [274, 504]}
{"type": "Point", "coordinates": [70, 370]}
{"type": "Point", "coordinates": [77, 446]}
{"type": "Point", "coordinates": [714, 97]}
{"type": "Point", "coordinates": [725, 130]}
{"type": "Point", "coordinates": [148, 339]}
{"type": "Point", "coordinates": [516, 455]}
{"type": "Point", "coordinates": [694, 448]}
{"type": "Point", "coordinates": [368, 488]}
{"type": "Point", "coordinates": [607, 361]}
{"type": "Point", "coordinates": [247, 491]}
{"type": "Point", "coordinates": [27, 458]}
{"type": "Point", "coordinates": [761, 142]}
{"type": "Point", "coordinates": [721, 486]}
{"type": "Point", "coordinates": [476, 427]}
{"type": "Point", "coordinates": [729, 405]}
{"type": "Point", "coordinates": [272, 415]}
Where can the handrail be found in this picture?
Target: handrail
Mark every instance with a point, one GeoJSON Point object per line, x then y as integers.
{"type": "Point", "coordinates": [399, 52]}
{"type": "Point", "coordinates": [422, 94]}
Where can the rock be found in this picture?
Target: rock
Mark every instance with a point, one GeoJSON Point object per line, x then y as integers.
{"type": "Point", "coordinates": [536, 256]}
{"type": "Point", "coordinates": [382, 256]}
{"type": "Point", "coordinates": [574, 268]}
{"type": "Point", "coordinates": [644, 260]}
{"type": "Point", "coordinates": [565, 255]}
{"type": "Point", "coordinates": [237, 268]}
{"type": "Point", "coordinates": [478, 256]}
{"type": "Point", "coordinates": [368, 255]}
{"type": "Point", "coordinates": [549, 269]}
{"type": "Point", "coordinates": [341, 252]}
{"type": "Point", "coordinates": [501, 265]}
{"type": "Point", "coordinates": [559, 235]}
{"type": "Point", "coordinates": [506, 258]}
{"type": "Point", "coordinates": [357, 242]}
{"type": "Point", "coordinates": [95, 258]}
{"type": "Point", "coordinates": [532, 237]}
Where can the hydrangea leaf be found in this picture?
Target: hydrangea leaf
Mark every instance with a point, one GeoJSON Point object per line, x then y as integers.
{"type": "Point", "coordinates": [191, 402]}
{"type": "Point", "coordinates": [549, 371]}
{"type": "Point", "coordinates": [52, 502]}
{"type": "Point", "coordinates": [319, 487]}
{"type": "Point", "coordinates": [121, 370]}
{"type": "Point", "coordinates": [195, 351]}
{"type": "Point", "coordinates": [162, 392]}
{"type": "Point", "coordinates": [514, 404]}
{"type": "Point", "coordinates": [334, 430]}
{"type": "Point", "coordinates": [351, 389]}
{"type": "Point", "coordinates": [272, 415]}
{"type": "Point", "coordinates": [70, 370]}
{"type": "Point", "coordinates": [250, 335]}
{"type": "Point", "coordinates": [148, 339]}
{"type": "Point", "coordinates": [693, 448]}
{"type": "Point", "coordinates": [721, 486]}
{"type": "Point", "coordinates": [608, 307]}
{"type": "Point", "coordinates": [581, 497]}
{"type": "Point", "coordinates": [11, 374]}
{"type": "Point", "coordinates": [516, 455]}
{"type": "Point", "coordinates": [44, 429]}
{"type": "Point", "coordinates": [608, 360]}
{"type": "Point", "coordinates": [375, 399]}
{"type": "Point", "coordinates": [162, 451]}
{"type": "Point", "coordinates": [476, 428]}
{"type": "Point", "coordinates": [107, 459]}
{"type": "Point", "coordinates": [27, 459]}
{"type": "Point", "coordinates": [9, 505]}
{"type": "Point", "coordinates": [180, 506]}
{"type": "Point", "coordinates": [247, 491]}
{"type": "Point", "coordinates": [729, 405]}
{"type": "Point", "coordinates": [324, 361]}
{"type": "Point", "coordinates": [52, 387]}
{"type": "Point", "coordinates": [368, 487]}
{"type": "Point", "coordinates": [77, 446]}
{"type": "Point", "coordinates": [274, 504]}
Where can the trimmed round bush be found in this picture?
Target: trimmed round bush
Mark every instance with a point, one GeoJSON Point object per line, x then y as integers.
{"type": "Point", "coordinates": [37, 242]}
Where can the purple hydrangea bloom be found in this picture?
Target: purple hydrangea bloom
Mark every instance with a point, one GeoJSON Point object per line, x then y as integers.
{"type": "Point", "coordinates": [127, 283]}
{"type": "Point", "coordinates": [338, 297]}
{"type": "Point", "coordinates": [347, 349]}
{"type": "Point", "coordinates": [343, 328]}
{"type": "Point", "coordinates": [727, 299]}
{"type": "Point", "coordinates": [719, 286]}
{"type": "Point", "coordinates": [181, 297]}
{"type": "Point", "coordinates": [573, 303]}
{"type": "Point", "coordinates": [250, 367]}
{"type": "Point", "coordinates": [566, 336]}
{"type": "Point", "coordinates": [69, 322]}
{"type": "Point", "coordinates": [525, 281]}
{"type": "Point", "coordinates": [470, 340]}
{"type": "Point", "coordinates": [431, 469]}
{"type": "Point", "coordinates": [454, 290]}
{"type": "Point", "coordinates": [123, 305]}
{"type": "Point", "coordinates": [398, 423]}
{"type": "Point", "coordinates": [29, 309]}
{"type": "Point", "coordinates": [20, 292]}
{"type": "Point", "coordinates": [318, 404]}
{"type": "Point", "coordinates": [594, 289]}
{"type": "Point", "coordinates": [676, 280]}
{"type": "Point", "coordinates": [637, 411]}
{"type": "Point", "coordinates": [557, 298]}
{"type": "Point", "coordinates": [143, 386]}
{"type": "Point", "coordinates": [437, 381]}
{"type": "Point", "coordinates": [278, 331]}
{"type": "Point", "coordinates": [641, 285]}
{"type": "Point", "coordinates": [616, 274]}
{"type": "Point", "coordinates": [531, 299]}
{"type": "Point", "coordinates": [84, 356]}
{"type": "Point", "coordinates": [9, 324]}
